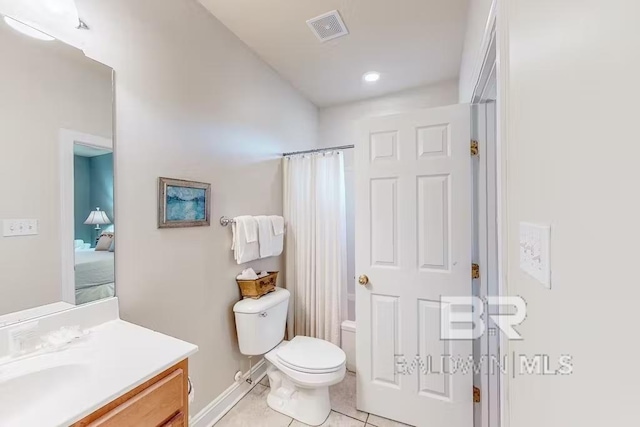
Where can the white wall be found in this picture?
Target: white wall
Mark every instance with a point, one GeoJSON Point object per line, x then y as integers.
{"type": "Point", "coordinates": [472, 54]}
{"type": "Point", "coordinates": [45, 86]}
{"type": "Point", "coordinates": [572, 161]}
{"type": "Point", "coordinates": [193, 102]}
{"type": "Point", "coordinates": [339, 126]}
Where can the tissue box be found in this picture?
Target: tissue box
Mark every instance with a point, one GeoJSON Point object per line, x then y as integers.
{"type": "Point", "coordinates": [256, 288]}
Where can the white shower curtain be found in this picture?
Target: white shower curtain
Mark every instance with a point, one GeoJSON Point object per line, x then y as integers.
{"type": "Point", "coordinates": [316, 262]}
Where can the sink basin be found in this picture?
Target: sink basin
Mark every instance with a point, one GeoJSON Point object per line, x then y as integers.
{"type": "Point", "coordinates": [22, 381]}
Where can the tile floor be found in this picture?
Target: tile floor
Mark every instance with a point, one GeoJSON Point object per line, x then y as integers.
{"type": "Point", "coordinates": [253, 410]}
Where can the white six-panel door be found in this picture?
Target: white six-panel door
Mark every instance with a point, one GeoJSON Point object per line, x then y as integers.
{"type": "Point", "coordinates": [414, 243]}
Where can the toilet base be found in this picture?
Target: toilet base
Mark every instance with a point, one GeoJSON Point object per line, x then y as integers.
{"type": "Point", "coordinates": [308, 405]}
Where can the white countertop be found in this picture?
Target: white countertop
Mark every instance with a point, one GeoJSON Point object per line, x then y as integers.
{"type": "Point", "coordinates": [113, 359]}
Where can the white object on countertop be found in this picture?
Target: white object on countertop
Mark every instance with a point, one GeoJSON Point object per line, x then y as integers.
{"type": "Point", "coordinates": [26, 340]}
{"type": "Point", "coordinates": [62, 336]}
{"type": "Point", "coordinates": [23, 338]}
{"type": "Point", "coordinates": [248, 274]}
{"type": "Point", "coordinates": [243, 250]}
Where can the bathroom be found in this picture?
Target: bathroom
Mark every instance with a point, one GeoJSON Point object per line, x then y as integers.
{"type": "Point", "coordinates": [166, 121]}
{"type": "Point", "coordinates": [218, 115]}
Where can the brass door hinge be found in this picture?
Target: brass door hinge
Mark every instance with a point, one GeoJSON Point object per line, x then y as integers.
{"type": "Point", "coordinates": [475, 271]}
{"type": "Point", "coordinates": [474, 147]}
{"type": "Point", "coordinates": [477, 396]}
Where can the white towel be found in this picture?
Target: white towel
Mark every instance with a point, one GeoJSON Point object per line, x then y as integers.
{"type": "Point", "coordinates": [248, 274]}
{"type": "Point", "coordinates": [265, 234]}
{"type": "Point", "coordinates": [250, 226]}
{"type": "Point", "coordinates": [271, 243]}
{"type": "Point", "coordinates": [277, 222]}
{"type": "Point", "coordinates": [277, 241]}
{"type": "Point", "coordinates": [243, 249]}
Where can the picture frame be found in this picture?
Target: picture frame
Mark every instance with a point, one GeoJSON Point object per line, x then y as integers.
{"type": "Point", "coordinates": [183, 203]}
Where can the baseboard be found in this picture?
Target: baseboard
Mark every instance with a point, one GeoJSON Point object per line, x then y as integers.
{"type": "Point", "coordinates": [222, 404]}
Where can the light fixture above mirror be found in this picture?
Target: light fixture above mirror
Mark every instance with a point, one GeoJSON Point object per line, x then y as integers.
{"type": "Point", "coordinates": [45, 19]}
{"type": "Point", "coordinates": [27, 30]}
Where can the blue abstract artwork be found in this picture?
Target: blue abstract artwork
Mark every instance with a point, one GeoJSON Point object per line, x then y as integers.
{"type": "Point", "coordinates": [185, 203]}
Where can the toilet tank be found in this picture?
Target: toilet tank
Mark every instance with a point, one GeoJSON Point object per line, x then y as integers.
{"type": "Point", "coordinates": [260, 323]}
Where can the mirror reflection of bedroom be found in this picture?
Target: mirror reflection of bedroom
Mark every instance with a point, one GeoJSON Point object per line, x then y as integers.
{"type": "Point", "coordinates": [56, 189]}
{"type": "Point", "coordinates": [94, 243]}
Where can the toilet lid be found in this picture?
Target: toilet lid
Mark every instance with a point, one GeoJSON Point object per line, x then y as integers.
{"type": "Point", "coordinates": [313, 355]}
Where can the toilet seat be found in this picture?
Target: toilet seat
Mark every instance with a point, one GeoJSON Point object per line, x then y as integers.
{"type": "Point", "coordinates": [312, 356]}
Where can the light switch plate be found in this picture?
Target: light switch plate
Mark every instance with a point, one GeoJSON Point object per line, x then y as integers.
{"type": "Point", "coordinates": [535, 241]}
{"type": "Point", "coordinates": [19, 227]}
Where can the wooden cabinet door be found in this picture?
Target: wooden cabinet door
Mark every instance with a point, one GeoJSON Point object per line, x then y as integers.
{"type": "Point", "coordinates": [163, 397]}
{"type": "Point", "coordinates": [177, 421]}
{"type": "Point", "coordinates": [151, 407]}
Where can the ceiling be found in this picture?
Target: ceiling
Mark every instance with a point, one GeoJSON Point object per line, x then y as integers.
{"type": "Point", "coordinates": [410, 42]}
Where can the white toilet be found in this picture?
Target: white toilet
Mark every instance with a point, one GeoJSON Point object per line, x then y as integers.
{"type": "Point", "coordinates": [301, 370]}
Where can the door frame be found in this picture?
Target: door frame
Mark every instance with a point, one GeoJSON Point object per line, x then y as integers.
{"type": "Point", "coordinates": [68, 138]}
{"type": "Point", "coordinates": [493, 60]}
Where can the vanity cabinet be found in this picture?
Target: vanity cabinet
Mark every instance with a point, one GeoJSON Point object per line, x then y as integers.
{"type": "Point", "coordinates": [160, 402]}
{"type": "Point", "coordinates": [177, 421]}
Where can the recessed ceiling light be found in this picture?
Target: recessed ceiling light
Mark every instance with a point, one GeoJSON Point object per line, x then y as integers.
{"type": "Point", "coordinates": [371, 77]}
{"type": "Point", "coordinates": [27, 30]}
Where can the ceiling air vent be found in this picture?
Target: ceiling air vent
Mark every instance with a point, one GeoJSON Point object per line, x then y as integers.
{"type": "Point", "coordinates": [328, 26]}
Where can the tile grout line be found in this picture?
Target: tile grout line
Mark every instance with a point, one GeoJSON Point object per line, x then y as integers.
{"type": "Point", "coordinates": [352, 417]}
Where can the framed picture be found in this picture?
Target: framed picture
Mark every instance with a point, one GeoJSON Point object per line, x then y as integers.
{"type": "Point", "coordinates": [183, 203]}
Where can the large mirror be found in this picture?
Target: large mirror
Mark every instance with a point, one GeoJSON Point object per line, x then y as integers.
{"type": "Point", "coordinates": [57, 219]}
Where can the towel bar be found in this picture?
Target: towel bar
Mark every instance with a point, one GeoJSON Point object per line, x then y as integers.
{"type": "Point", "coordinates": [224, 221]}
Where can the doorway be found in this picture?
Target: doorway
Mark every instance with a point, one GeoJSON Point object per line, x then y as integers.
{"type": "Point", "coordinates": [87, 274]}
{"type": "Point", "coordinates": [484, 131]}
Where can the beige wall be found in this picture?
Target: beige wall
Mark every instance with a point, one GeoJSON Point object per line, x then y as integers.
{"type": "Point", "coordinates": [572, 161]}
{"type": "Point", "coordinates": [472, 54]}
{"type": "Point", "coordinates": [193, 102]}
{"type": "Point", "coordinates": [44, 86]}
{"type": "Point", "coordinates": [339, 126]}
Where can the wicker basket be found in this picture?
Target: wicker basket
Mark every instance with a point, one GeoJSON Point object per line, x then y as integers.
{"type": "Point", "coordinates": [256, 288]}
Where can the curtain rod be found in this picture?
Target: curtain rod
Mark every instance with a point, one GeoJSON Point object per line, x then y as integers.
{"type": "Point", "coordinates": [318, 150]}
